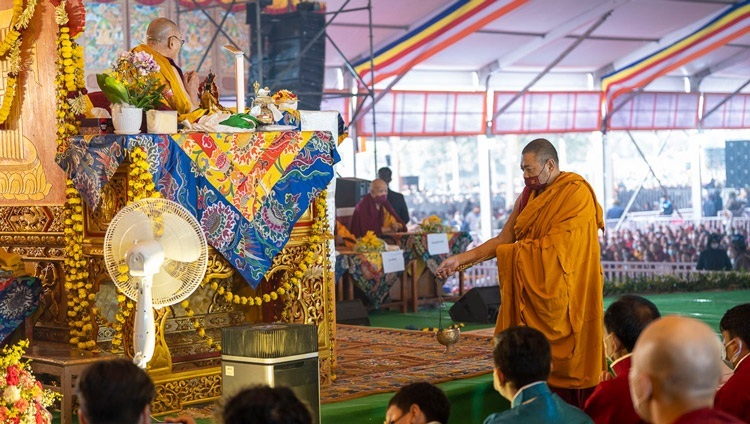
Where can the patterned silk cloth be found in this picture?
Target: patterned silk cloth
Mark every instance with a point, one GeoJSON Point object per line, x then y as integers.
{"type": "Point", "coordinates": [19, 298]}
{"type": "Point", "coordinates": [246, 189]}
{"type": "Point", "coordinates": [366, 271]}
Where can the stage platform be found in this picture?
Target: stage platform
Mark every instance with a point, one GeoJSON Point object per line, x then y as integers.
{"type": "Point", "coordinates": [352, 400]}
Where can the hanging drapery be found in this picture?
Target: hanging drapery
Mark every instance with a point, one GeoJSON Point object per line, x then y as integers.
{"type": "Point", "coordinates": [450, 25]}
{"type": "Point", "coordinates": [729, 25]}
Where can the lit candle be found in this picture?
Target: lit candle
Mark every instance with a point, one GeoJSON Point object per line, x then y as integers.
{"type": "Point", "coordinates": [239, 70]}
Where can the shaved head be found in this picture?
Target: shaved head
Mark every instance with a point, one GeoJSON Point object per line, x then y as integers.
{"type": "Point", "coordinates": [378, 187]}
{"type": "Point", "coordinates": [160, 29]}
{"type": "Point", "coordinates": [676, 364]}
{"type": "Point", "coordinates": [543, 150]}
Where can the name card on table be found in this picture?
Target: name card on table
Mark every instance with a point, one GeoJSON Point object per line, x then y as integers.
{"type": "Point", "coordinates": [437, 244]}
{"type": "Point", "coordinates": [393, 261]}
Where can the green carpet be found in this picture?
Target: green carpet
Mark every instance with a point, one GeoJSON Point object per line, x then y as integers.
{"type": "Point", "coordinates": [472, 399]}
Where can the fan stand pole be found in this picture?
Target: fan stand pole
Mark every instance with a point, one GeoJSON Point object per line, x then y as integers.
{"type": "Point", "coordinates": [144, 335]}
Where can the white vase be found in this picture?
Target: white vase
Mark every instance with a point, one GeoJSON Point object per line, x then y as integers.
{"type": "Point", "coordinates": [126, 119]}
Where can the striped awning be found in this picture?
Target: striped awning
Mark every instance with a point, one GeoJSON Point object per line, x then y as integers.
{"type": "Point", "coordinates": [729, 25]}
{"type": "Point", "coordinates": [448, 26]}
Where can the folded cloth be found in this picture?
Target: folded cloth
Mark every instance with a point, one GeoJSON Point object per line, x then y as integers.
{"type": "Point", "coordinates": [11, 264]}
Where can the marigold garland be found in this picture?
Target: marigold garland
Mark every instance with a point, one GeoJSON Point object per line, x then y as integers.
{"type": "Point", "coordinates": [77, 286]}
{"type": "Point", "coordinates": [10, 49]}
{"type": "Point", "coordinates": [293, 280]}
{"type": "Point", "coordinates": [140, 186]}
{"type": "Point", "coordinates": [70, 80]}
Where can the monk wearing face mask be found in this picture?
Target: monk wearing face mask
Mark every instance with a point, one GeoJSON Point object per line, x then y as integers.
{"type": "Point", "coordinates": [549, 269]}
{"type": "Point", "coordinates": [374, 213]}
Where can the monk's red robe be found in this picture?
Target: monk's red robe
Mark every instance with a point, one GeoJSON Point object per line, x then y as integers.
{"type": "Point", "coordinates": [734, 396]}
{"type": "Point", "coordinates": [611, 402]}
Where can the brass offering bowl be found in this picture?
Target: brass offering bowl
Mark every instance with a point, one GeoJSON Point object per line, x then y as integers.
{"type": "Point", "coordinates": [448, 337]}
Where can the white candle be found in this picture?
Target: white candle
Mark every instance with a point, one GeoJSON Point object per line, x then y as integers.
{"type": "Point", "coordinates": [239, 70]}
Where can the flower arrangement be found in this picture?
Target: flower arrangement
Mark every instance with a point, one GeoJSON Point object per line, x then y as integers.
{"type": "Point", "coordinates": [10, 51]}
{"type": "Point", "coordinates": [23, 399]}
{"type": "Point", "coordinates": [133, 80]}
{"type": "Point", "coordinates": [433, 224]}
{"type": "Point", "coordinates": [369, 243]}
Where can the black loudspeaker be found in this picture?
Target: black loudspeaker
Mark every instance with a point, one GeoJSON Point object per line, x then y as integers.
{"type": "Point", "coordinates": [291, 59]}
{"type": "Point", "coordinates": [350, 190]}
{"type": "Point", "coordinates": [480, 304]}
{"type": "Point", "coordinates": [352, 312]}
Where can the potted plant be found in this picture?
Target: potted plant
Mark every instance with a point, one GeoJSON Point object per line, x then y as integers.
{"type": "Point", "coordinates": [132, 86]}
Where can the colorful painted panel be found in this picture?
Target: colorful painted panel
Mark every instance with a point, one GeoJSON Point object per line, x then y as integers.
{"type": "Point", "coordinates": [103, 38]}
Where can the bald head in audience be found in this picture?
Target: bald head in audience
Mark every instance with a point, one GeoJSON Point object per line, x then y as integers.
{"type": "Point", "coordinates": [676, 369]}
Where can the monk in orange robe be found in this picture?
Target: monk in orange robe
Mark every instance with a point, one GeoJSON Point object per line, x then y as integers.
{"type": "Point", "coordinates": [550, 269]}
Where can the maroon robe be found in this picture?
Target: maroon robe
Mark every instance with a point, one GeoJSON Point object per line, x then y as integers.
{"type": "Point", "coordinates": [707, 416]}
{"type": "Point", "coordinates": [611, 402]}
{"type": "Point", "coordinates": [368, 217]}
{"type": "Point", "coordinates": [734, 396]}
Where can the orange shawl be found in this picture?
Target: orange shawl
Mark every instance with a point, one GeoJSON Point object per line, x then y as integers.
{"type": "Point", "coordinates": [551, 278]}
{"type": "Point", "coordinates": [170, 75]}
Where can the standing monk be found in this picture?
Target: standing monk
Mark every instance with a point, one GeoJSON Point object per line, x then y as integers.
{"type": "Point", "coordinates": [549, 269]}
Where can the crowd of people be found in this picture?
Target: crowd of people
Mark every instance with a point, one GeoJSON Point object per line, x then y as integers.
{"type": "Point", "coordinates": [663, 370]}
{"type": "Point", "coordinates": [716, 249]}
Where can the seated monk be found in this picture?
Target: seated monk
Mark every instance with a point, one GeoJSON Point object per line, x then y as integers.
{"type": "Point", "coordinates": [164, 42]}
{"type": "Point", "coordinates": [374, 213]}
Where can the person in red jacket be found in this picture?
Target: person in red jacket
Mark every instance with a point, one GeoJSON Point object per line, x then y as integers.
{"type": "Point", "coordinates": [675, 372]}
{"type": "Point", "coordinates": [623, 322]}
{"type": "Point", "coordinates": [734, 396]}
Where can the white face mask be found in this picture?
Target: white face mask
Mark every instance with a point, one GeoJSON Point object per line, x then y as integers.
{"type": "Point", "coordinates": [731, 361]}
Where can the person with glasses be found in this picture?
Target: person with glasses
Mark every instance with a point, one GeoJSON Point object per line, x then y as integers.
{"type": "Point", "coordinates": [523, 360]}
{"type": "Point", "coordinates": [624, 321]}
{"type": "Point", "coordinates": [164, 41]}
{"type": "Point", "coordinates": [418, 403]}
{"type": "Point", "coordinates": [734, 396]}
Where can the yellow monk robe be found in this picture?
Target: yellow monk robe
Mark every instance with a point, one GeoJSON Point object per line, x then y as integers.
{"type": "Point", "coordinates": [346, 236]}
{"type": "Point", "coordinates": [551, 278]}
{"type": "Point", "coordinates": [180, 99]}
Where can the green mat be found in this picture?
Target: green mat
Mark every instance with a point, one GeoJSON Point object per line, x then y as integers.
{"type": "Point", "coordinates": [473, 399]}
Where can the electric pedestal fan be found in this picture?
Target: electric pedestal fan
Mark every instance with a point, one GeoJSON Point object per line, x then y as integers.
{"type": "Point", "coordinates": [156, 253]}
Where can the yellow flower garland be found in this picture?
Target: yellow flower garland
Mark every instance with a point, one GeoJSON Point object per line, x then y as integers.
{"type": "Point", "coordinates": [11, 49]}
{"type": "Point", "coordinates": [77, 285]}
{"type": "Point", "coordinates": [319, 232]}
{"type": "Point", "coordinates": [79, 292]}
{"type": "Point", "coordinates": [140, 186]}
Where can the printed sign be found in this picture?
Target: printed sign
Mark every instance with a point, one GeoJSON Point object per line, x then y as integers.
{"type": "Point", "coordinates": [393, 261]}
{"type": "Point", "coordinates": [437, 244]}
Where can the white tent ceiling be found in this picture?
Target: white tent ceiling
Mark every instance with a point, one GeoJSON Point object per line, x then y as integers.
{"type": "Point", "coordinates": [519, 45]}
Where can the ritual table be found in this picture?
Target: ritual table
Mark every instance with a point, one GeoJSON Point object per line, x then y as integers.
{"type": "Point", "coordinates": [365, 269]}
{"type": "Point", "coordinates": [253, 194]}
{"type": "Point", "coordinates": [421, 261]}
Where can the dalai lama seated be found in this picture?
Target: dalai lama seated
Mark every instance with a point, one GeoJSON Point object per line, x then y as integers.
{"type": "Point", "coordinates": [374, 213]}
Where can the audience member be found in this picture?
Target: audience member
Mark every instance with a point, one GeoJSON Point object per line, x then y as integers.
{"type": "Point", "coordinates": [714, 258]}
{"type": "Point", "coordinates": [675, 372]}
{"type": "Point", "coordinates": [734, 396]}
{"type": "Point", "coordinates": [523, 360]}
{"type": "Point", "coordinates": [616, 211]}
{"type": "Point", "coordinates": [624, 321]}
{"type": "Point", "coordinates": [666, 206]}
{"type": "Point", "coordinates": [265, 405]}
{"type": "Point", "coordinates": [394, 198]}
{"type": "Point", "coordinates": [114, 391]}
{"type": "Point", "coordinates": [418, 403]}
{"type": "Point", "coordinates": [738, 253]}
{"type": "Point", "coordinates": [735, 206]}
{"type": "Point", "coordinates": [374, 212]}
